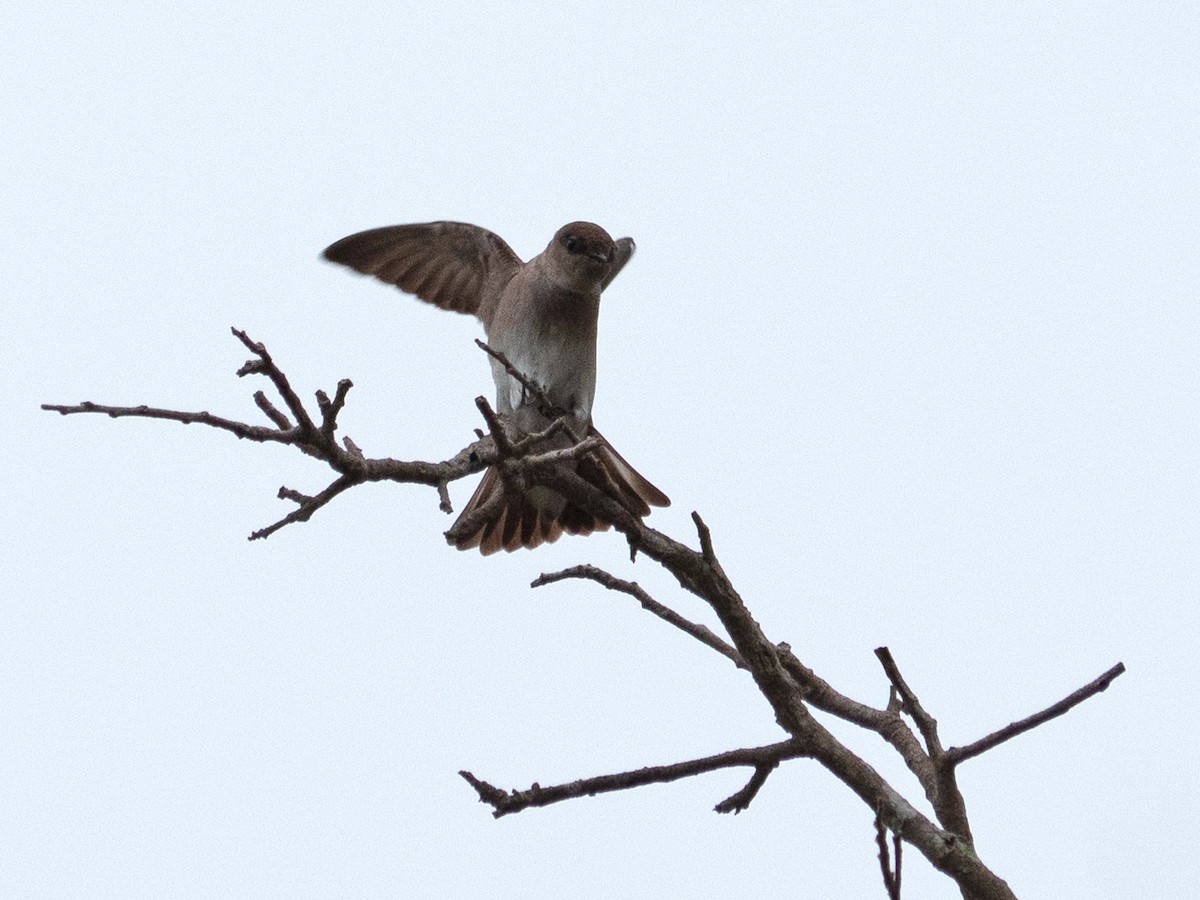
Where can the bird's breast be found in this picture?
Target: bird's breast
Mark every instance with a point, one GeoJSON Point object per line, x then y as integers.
{"type": "Point", "coordinates": [559, 360]}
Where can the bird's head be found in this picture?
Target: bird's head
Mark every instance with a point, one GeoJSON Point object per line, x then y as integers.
{"type": "Point", "coordinates": [583, 253]}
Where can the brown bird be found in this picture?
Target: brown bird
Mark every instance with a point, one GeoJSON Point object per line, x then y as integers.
{"type": "Point", "coordinates": [542, 316]}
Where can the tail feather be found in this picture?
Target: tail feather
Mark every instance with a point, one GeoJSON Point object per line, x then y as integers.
{"type": "Point", "coordinates": [512, 518]}
{"type": "Point", "coordinates": [629, 477]}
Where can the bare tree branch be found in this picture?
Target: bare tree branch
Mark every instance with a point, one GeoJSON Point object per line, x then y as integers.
{"type": "Point", "coordinates": [911, 705]}
{"type": "Point", "coordinates": [702, 633]}
{"type": "Point", "coordinates": [331, 408]}
{"type": "Point", "coordinates": [565, 454]}
{"type": "Point", "coordinates": [790, 688]}
{"type": "Point", "coordinates": [529, 386]}
{"type": "Point", "coordinates": [282, 422]}
{"type": "Point", "coordinates": [264, 365]}
{"type": "Point", "coordinates": [887, 723]}
{"type": "Point", "coordinates": [348, 461]}
{"type": "Point", "coordinates": [742, 799]}
{"type": "Point", "coordinates": [949, 851]}
{"type": "Point", "coordinates": [504, 446]}
{"type": "Point", "coordinates": [507, 802]}
{"type": "Point", "coordinates": [259, 433]}
{"type": "Point", "coordinates": [891, 874]}
{"type": "Point", "coordinates": [948, 803]}
{"type": "Point", "coordinates": [307, 505]}
{"type": "Point", "coordinates": [444, 504]}
{"type": "Point", "coordinates": [956, 755]}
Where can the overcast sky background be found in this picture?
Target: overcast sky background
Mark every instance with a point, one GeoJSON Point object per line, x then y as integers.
{"type": "Point", "coordinates": [912, 323]}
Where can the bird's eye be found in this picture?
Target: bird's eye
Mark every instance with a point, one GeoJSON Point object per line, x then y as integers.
{"type": "Point", "coordinates": [571, 243]}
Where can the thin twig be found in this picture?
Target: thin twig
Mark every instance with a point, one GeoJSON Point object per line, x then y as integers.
{"type": "Point", "coordinates": [891, 875]}
{"type": "Point", "coordinates": [741, 799]}
{"type": "Point", "coordinates": [956, 755]}
{"type": "Point", "coordinates": [264, 365]}
{"type": "Point", "coordinates": [706, 545]}
{"type": "Point", "coordinates": [308, 505]}
{"type": "Point", "coordinates": [506, 802]}
{"type": "Point", "coordinates": [898, 851]}
{"type": "Point", "coordinates": [259, 433]}
{"type": "Point", "coordinates": [331, 408]}
{"type": "Point", "coordinates": [528, 384]}
{"type": "Point", "coordinates": [700, 632]}
{"type": "Point", "coordinates": [522, 444]}
{"type": "Point", "coordinates": [495, 426]}
{"type": "Point", "coordinates": [281, 421]}
{"type": "Point", "coordinates": [925, 722]}
{"type": "Point", "coordinates": [565, 454]}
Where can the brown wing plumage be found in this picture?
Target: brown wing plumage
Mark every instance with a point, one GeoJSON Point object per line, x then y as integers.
{"type": "Point", "coordinates": [453, 265]}
{"type": "Point", "coordinates": [621, 255]}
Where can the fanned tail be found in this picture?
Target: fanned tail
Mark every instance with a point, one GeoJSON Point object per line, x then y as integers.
{"type": "Point", "coordinates": [502, 518]}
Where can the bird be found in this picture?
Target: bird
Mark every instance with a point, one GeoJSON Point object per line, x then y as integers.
{"type": "Point", "coordinates": [542, 315]}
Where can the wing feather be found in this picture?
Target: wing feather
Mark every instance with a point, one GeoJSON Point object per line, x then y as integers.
{"type": "Point", "coordinates": [621, 255]}
{"type": "Point", "coordinates": [453, 265]}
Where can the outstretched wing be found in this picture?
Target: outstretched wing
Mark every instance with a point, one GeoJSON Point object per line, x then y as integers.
{"type": "Point", "coordinates": [624, 252]}
{"type": "Point", "coordinates": [453, 265]}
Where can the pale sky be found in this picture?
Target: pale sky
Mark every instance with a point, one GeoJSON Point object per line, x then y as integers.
{"type": "Point", "coordinates": [912, 324]}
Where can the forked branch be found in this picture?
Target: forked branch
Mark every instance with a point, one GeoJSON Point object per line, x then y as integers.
{"type": "Point", "coordinates": [301, 431]}
{"type": "Point", "coordinates": [791, 690]}
{"type": "Point", "coordinates": [765, 759]}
